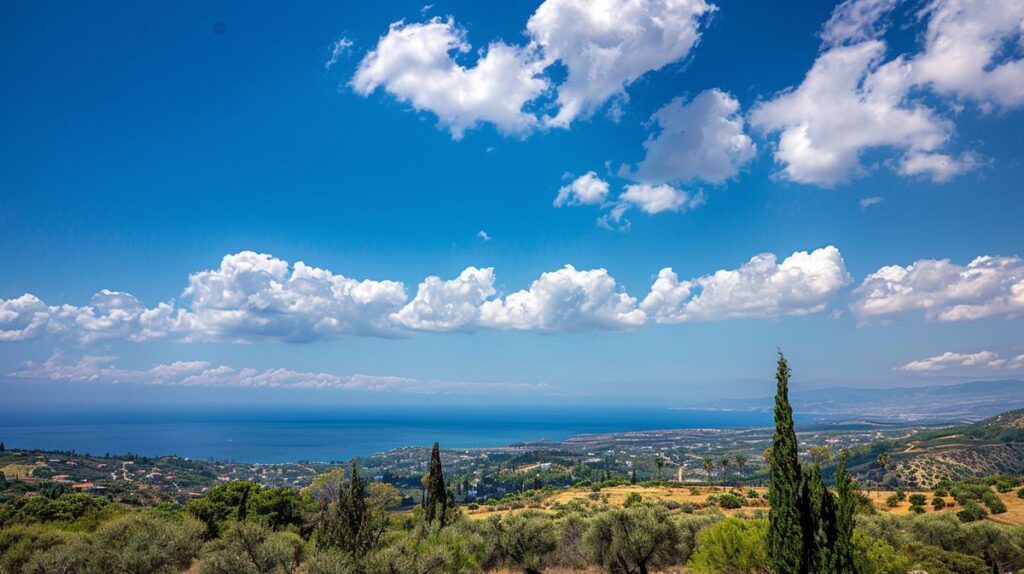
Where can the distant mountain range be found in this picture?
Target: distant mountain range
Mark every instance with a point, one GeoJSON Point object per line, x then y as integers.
{"type": "Point", "coordinates": [961, 402]}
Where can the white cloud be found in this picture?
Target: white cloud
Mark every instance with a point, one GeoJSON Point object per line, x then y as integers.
{"type": "Point", "coordinates": [939, 167]}
{"type": "Point", "coordinates": [587, 189]}
{"type": "Point", "coordinates": [652, 199]}
{"type": "Point", "coordinates": [339, 48]}
{"type": "Point", "coordinates": [944, 291]}
{"type": "Point", "coordinates": [415, 64]}
{"type": "Point", "coordinates": [26, 317]}
{"type": "Point", "coordinates": [972, 51]}
{"type": "Point", "coordinates": [606, 45]}
{"type": "Point", "coordinates": [869, 201]}
{"type": "Point", "coordinates": [448, 305]}
{"type": "Point", "coordinates": [252, 296]}
{"type": "Point", "coordinates": [565, 300]}
{"type": "Point", "coordinates": [700, 140]}
{"type": "Point", "coordinates": [483, 236]}
{"type": "Point", "coordinates": [855, 21]}
{"type": "Point", "coordinates": [849, 102]}
{"type": "Point", "coordinates": [854, 100]}
{"type": "Point", "coordinates": [802, 284]}
{"type": "Point", "coordinates": [100, 369]}
{"type": "Point", "coordinates": [986, 359]}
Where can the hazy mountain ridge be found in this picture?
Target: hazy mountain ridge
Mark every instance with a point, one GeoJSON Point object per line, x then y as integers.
{"type": "Point", "coordinates": [971, 401]}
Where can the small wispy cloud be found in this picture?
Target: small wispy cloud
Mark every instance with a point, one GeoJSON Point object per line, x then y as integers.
{"type": "Point", "coordinates": [869, 201]}
{"type": "Point", "coordinates": [483, 235]}
{"type": "Point", "coordinates": [338, 48]}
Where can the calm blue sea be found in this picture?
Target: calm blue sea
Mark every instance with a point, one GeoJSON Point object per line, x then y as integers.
{"type": "Point", "coordinates": [322, 435]}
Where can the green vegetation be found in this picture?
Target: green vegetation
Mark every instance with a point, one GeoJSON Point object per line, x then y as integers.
{"type": "Point", "coordinates": [343, 523]}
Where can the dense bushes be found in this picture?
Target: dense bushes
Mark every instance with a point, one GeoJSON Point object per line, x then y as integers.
{"type": "Point", "coordinates": [732, 545]}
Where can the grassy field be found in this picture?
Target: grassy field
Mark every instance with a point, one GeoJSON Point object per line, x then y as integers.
{"type": "Point", "coordinates": [616, 496]}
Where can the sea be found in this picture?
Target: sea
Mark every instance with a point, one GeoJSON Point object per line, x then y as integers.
{"type": "Point", "coordinates": [277, 436]}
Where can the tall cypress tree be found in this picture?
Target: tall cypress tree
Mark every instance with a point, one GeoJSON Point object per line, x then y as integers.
{"type": "Point", "coordinates": [785, 528]}
{"type": "Point", "coordinates": [846, 504]}
{"type": "Point", "coordinates": [818, 519]}
{"type": "Point", "coordinates": [436, 505]}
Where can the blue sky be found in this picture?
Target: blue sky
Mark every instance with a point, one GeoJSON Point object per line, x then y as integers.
{"type": "Point", "coordinates": [144, 145]}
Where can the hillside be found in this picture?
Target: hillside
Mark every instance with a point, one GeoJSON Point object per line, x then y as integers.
{"type": "Point", "coordinates": [988, 447]}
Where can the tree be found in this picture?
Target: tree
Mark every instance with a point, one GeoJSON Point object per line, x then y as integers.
{"type": "Point", "coordinates": [821, 454]}
{"type": "Point", "coordinates": [882, 461]}
{"type": "Point", "coordinates": [2, 447]}
{"type": "Point", "coordinates": [732, 545]}
{"type": "Point", "coordinates": [350, 518]}
{"type": "Point", "coordinates": [632, 478]}
{"type": "Point", "coordinates": [741, 462]}
{"type": "Point", "coordinates": [633, 540]}
{"type": "Point", "coordinates": [846, 505]}
{"type": "Point", "coordinates": [436, 505]}
{"type": "Point", "coordinates": [659, 461]}
{"type": "Point", "coordinates": [709, 467]}
{"type": "Point", "coordinates": [819, 525]}
{"type": "Point", "coordinates": [785, 531]}
{"type": "Point", "coordinates": [726, 461]}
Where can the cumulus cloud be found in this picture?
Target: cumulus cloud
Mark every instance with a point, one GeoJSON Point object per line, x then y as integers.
{"type": "Point", "coordinates": [854, 100]}
{"type": "Point", "coordinates": [565, 300]}
{"type": "Point", "coordinates": [254, 296]}
{"type": "Point", "coordinates": [703, 139]}
{"type": "Point", "coordinates": [802, 284]}
{"type": "Point", "coordinates": [939, 167]}
{"type": "Point", "coordinates": [448, 305]}
{"type": "Point", "coordinates": [972, 51]}
{"type": "Point", "coordinates": [850, 101]}
{"type": "Point", "coordinates": [587, 189]}
{"type": "Point", "coordinates": [415, 63]}
{"type": "Point", "coordinates": [605, 45]}
{"type": "Point", "coordinates": [100, 369]}
{"type": "Point", "coordinates": [986, 287]}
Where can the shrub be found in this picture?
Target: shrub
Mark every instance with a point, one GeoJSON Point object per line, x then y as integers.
{"type": "Point", "coordinates": [938, 503]}
{"type": "Point", "coordinates": [252, 548]}
{"type": "Point", "coordinates": [994, 503]}
{"type": "Point", "coordinates": [752, 493]}
{"type": "Point", "coordinates": [144, 543]}
{"type": "Point", "coordinates": [633, 499]}
{"type": "Point", "coordinates": [732, 545]}
{"type": "Point", "coordinates": [892, 501]}
{"type": "Point", "coordinates": [524, 541]}
{"type": "Point", "coordinates": [918, 499]}
{"type": "Point", "coordinates": [875, 556]}
{"type": "Point", "coordinates": [971, 511]}
{"type": "Point", "coordinates": [730, 500]}
{"type": "Point", "coordinates": [637, 539]}
{"type": "Point", "coordinates": [917, 509]}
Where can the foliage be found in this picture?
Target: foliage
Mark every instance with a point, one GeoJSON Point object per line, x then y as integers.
{"type": "Point", "coordinates": [252, 548]}
{"type": "Point", "coordinates": [785, 531]}
{"type": "Point", "coordinates": [143, 544]}
{"type": "Point", "coordinates": [632, 540]}
{"type": "Point", "coordinates": [524, 541]}
{"type": "Point", "coordinates": [732, 545]}
{"type": "Point", "coordinates": [436, 503]}
{"type": "Point", "coordinates": [875, 556]}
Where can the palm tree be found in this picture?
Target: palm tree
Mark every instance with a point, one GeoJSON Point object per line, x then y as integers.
{"type": "Point", "coordinates": [726, 461]}
{"type": "Point", "coordinates": [741, 461]}
{"type": "Point", "coordinates": [709, 467]}
{"type": "Point", "coordinates": [659, 461]}
{"type": "Point", "coordinates": [883, 461]}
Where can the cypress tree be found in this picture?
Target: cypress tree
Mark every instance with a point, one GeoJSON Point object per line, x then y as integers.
{"type": "Point", "coordinates": [818, 519]}
{"type": "Point", "coordinates": [785, 528]}
{"type": "Point", "coordinates": [436, 505]}
{"type": "Point", "coordinates": [845, 506]}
